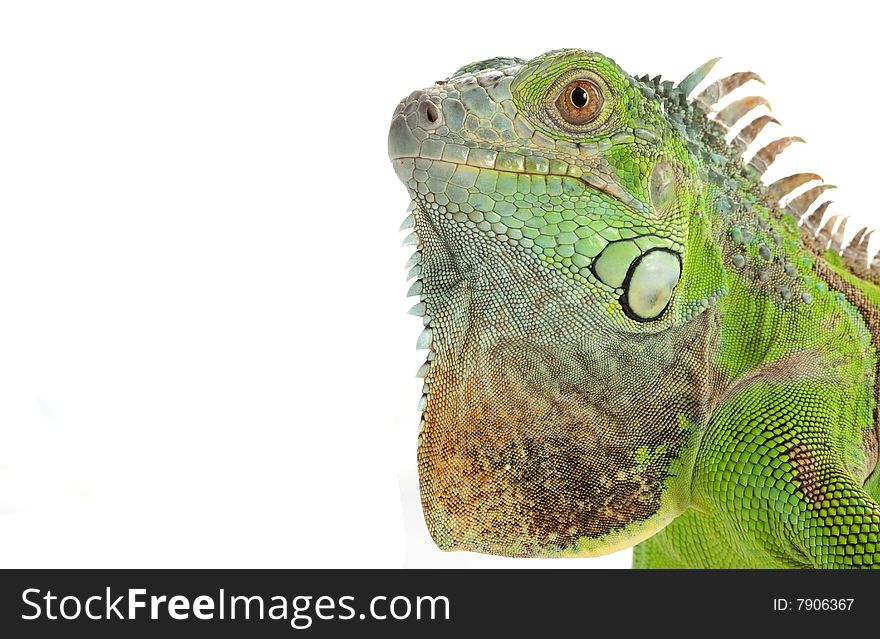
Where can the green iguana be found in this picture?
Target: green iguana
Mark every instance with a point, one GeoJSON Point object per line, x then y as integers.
{"type": "Point", "coordinates": [630, 340]}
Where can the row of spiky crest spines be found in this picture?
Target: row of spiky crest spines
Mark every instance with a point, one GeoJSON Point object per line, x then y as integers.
{"type": "Point", "coordinates": [698, 119]}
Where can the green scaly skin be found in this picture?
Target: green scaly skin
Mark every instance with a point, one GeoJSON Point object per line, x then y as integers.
{"type": "Point", "coordinates": [629, 342]}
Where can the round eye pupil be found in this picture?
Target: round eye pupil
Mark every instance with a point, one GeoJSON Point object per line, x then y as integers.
{"type": "Point", "coordinates": [579, 97]}
{"type": "Point", "coordinates": [579, 103]}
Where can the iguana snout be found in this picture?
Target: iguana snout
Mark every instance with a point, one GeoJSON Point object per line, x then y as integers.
{"type": "Point", "coordinates": [414, 118]}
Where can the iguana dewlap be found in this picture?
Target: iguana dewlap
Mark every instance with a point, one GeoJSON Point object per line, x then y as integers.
{"type": "Point", "coordinates": [629, 340]}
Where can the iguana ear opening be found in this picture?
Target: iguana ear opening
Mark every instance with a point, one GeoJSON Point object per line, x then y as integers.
{"type": "Point", "coordinates": [663, 187]}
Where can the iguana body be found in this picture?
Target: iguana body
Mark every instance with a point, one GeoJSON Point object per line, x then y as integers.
{"type": "Point", "coordinates": [629, 341]}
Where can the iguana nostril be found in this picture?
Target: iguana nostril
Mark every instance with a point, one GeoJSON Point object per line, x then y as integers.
{"type": "Point", "coordinates": [429, 115]}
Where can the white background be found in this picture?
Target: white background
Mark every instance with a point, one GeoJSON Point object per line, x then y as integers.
{"type": "Point", "coordinates": [205, 357]}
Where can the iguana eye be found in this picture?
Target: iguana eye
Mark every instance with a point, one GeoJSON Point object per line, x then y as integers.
{"type": "Point", "coordinates": [580, 102]}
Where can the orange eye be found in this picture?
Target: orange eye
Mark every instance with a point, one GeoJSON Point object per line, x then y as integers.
{"type": "Point", "coordinates": [579, 102]}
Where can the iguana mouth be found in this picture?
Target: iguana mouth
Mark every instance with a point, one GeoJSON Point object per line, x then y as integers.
{"type": "Point", "coordinates": [590, 181]}
{"type": "Point", "coordinates": [642, 271]}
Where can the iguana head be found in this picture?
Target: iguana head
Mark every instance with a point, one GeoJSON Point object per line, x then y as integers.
{"type": "Point", "coordinates": [571, 159]}
{"type": "Point", "coordinates": [564, 263]}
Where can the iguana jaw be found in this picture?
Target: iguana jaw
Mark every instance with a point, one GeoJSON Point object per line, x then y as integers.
{"type": "Point", "coordinates": [641, 272]}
